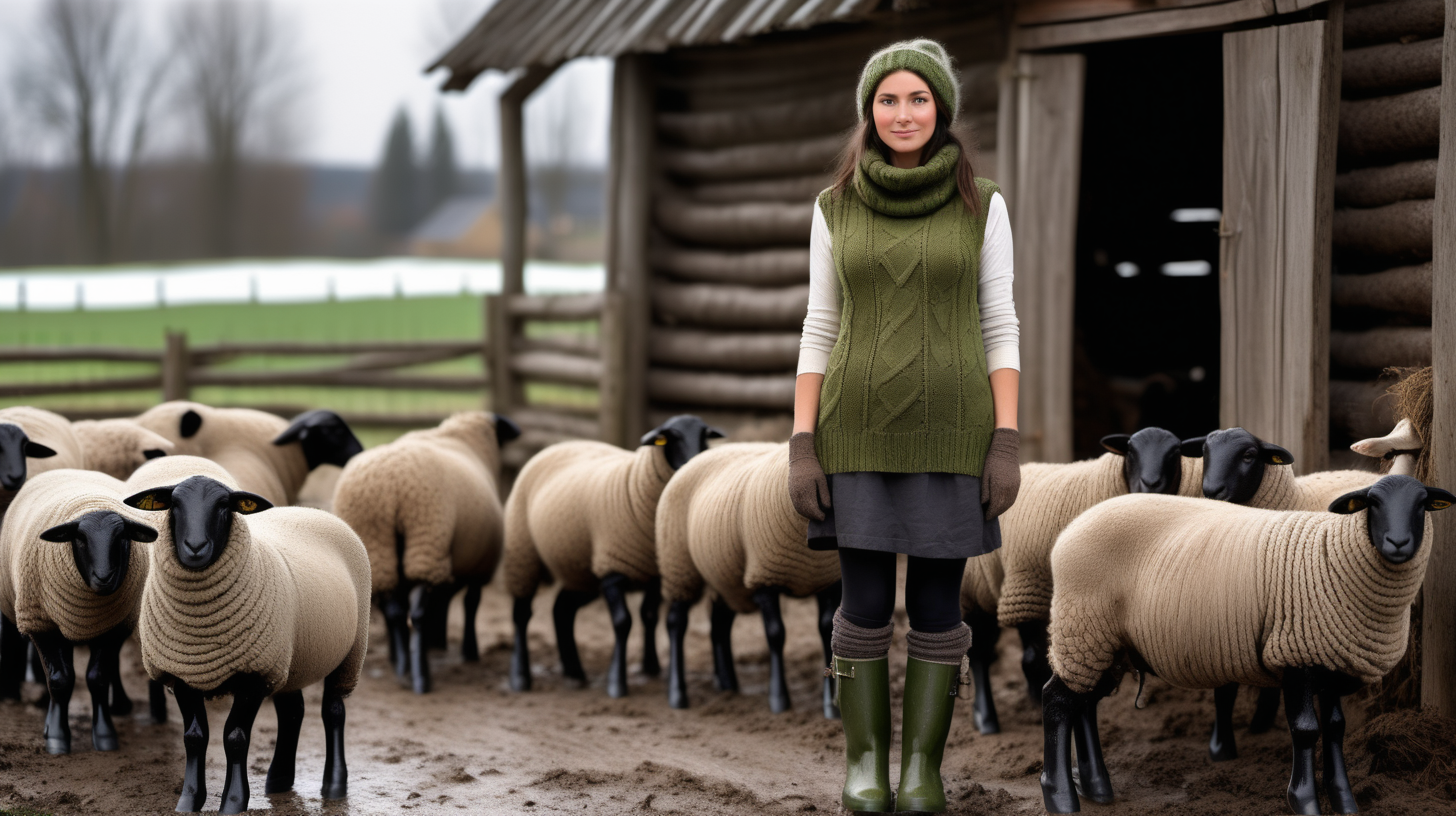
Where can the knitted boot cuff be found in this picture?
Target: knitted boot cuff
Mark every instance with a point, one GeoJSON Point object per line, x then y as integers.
{"type": "Point", "coordinates": [940, 647]}
{"type": "Point", "coordinates": [853, 642]}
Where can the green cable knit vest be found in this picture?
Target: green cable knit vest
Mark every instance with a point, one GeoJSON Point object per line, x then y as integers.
{"type": "Point", "coordinates": [906, 390]}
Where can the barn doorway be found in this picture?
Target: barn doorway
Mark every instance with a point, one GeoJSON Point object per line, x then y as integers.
{"type": "Point", "coordinates": [1146, 325]}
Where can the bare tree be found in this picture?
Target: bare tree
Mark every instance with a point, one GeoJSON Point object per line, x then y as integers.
{"type": "Point", "coordinates": [236, 66]}
{"type": "Point", "coordinates": [81, 78]}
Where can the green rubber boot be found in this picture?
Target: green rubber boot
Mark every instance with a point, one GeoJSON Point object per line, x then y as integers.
{"type": "Point", "coordinates": [864, 708]}
{"type": "Point", "coordinates": [929, 703]}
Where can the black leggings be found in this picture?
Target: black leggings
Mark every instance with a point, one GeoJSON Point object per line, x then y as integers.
{"type": "Point", "coordinates": [932, 590]}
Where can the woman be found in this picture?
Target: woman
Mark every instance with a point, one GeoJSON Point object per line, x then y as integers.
{"type": "Point", "coordinates": [906, 398]}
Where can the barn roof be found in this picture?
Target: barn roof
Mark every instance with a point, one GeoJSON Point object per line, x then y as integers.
{"type": "Point", "coordinates": [522, 33]}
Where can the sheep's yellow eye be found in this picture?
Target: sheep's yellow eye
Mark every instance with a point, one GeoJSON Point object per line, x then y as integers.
{"type": "Point", "coordinates": [1440, 504]}
{"type": "Point", "coordinates": [151, 503]}
{"type": "Point", "coordinates": [1278, 460]}
{"type": "Point", "coordinates": [247, 505]}
{"type": "Point", "coordinates": [659, 441]}
{"type": "Point", "coordinates": [1354, 505]}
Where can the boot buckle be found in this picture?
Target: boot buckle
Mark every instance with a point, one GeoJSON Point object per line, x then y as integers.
{"type": "Point", "coordinates": [839, 670]}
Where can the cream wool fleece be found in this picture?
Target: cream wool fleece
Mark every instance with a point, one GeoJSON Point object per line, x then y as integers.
{"type": "Point", "coordinates": [439, 489]}
{"type": "Point", "coordinates": [52, 430]}
{"type": "Point", "coordinates": [239, 439]}
{"type": "Point", "coordinates": [583, 510]}
{"type": "Point", "coordinates": [1280, 489]}
{"type": "Point", "coordinates": [1209, 593]}
{"type": "Point", "coordinates": [725, 519]}
{"type": "Point", "coordinates": [40, 588]}
{"type": "Point", "coordinates": [1051, 496]}
{"type": "Point", "coordinates": [117, 447]}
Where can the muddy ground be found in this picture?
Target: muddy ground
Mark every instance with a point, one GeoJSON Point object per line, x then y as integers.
{"type": "Point", "coordinates": [472, 746]}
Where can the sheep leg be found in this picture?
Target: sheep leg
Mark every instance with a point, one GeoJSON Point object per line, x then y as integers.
{"type": "Point", "coordinates": [767, 599]}
{"type": "Point", "coordinates": [563, 615]}
{"type": "Point", "coordinates": [1304, 733]}
{"type": "Point", "coordinates": [396, 618]}
{"type": "Point", "coordinates": [829, 599]}
{"type": "Point", "coordinates": [469, 644]}
{"type": "Point", "coordinates": [1059, 710]}
{"type": "Point", "coordinates": [37, 670]}
{"type": "Point", "coordinates": [57, 654]}
{"type": "Point", "coordinates": [12, 659]}
{"type": "Point", "coordinates": [521, 653]}
{"type": "Point", "coordinates": [722, 637]}
{"type": "Point", "coordinates": [419, 655]}
{"type": "Point", "coordinates": [614, 590]}
{"type": "Point", "coordinates": [677, 629]}
{"type": "Point", "coordinates": [1034, 658]}
{"type": "Point", "coordinates": [982, 655]}
{"type": "Point", "coordinates": [194, 740]}
{"type": "Point", "coordinates": [1332, 730]}
{"type": "Point", "coordinates": [237, 736]}
{"type": "Point", "coordinates": [1093, 781]}
{"type": "Point", "coordinates": [98, 682]}
{"type": "Point", "coordinates": [336, 771]}
{"type": "Point", "coordinates": [1265, 711]}
{"type": "Point", "coordinates": [288, 705]}
{"type": "Point", "coordinates": [437, 617]}
{"type": "Point", "coordinates": [121, 704]}
{"type": "Point", "coordinates": [1222, 746]}
{"type": "Point", "coordinates": [651, 608]}
{"type": "Point", "coordinates": [157, 701]}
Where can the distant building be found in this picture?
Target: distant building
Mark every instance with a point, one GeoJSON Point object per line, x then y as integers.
{"type": "Point", "coordinates": [461, 227]}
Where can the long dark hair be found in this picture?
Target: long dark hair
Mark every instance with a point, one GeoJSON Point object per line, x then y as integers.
{"type": "Point", "coordinates": [865, 137]}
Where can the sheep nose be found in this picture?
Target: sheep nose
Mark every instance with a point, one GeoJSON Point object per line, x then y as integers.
{"type": "Point", "coordinates": [12, 482]}
{"type": "Point", "coordinates": [1397, 544]}
{"type": "Point", "coordinates": [194, 548]}
{"type": "Point", "coordinates": [102, 579]}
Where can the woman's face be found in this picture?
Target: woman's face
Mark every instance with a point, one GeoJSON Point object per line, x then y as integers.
{"type": "Point", "coordinates": [904, 112]}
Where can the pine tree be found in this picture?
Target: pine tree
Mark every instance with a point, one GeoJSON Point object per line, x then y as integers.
{"type": "Point", "coordinates": [441, 176]}
{"type": "Point", "coordinates": [396, 187]}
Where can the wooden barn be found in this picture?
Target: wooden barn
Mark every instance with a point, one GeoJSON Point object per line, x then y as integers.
{"type": "Point", "coordinates": [1226, 212]}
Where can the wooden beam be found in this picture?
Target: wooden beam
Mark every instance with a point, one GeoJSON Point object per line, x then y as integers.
{"type": "Point", "coordinates": [1438, 642]}
{"type": "Point", "coordinates": [633, 154]}
{"type": "Point", "coordinates": [1146, 24]}
{"type": "Point", "coordinates": [1044, 200]}
{"type": "Point", "coordinates": [49, 354]}
{"type": "Point", "coordinates": [555, 307]}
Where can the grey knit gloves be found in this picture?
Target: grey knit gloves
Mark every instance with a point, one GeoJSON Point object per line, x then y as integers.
{"type": "Point", "coordinates": [1001, 475]}
{"type": "Point", "coordinates": [808, 488]}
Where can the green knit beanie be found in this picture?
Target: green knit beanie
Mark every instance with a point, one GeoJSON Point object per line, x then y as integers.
{"type": "Point", "coordinates": [926, 58]}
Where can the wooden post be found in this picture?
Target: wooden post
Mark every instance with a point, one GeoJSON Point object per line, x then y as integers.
{"type": "Point", "coordinates": [1438, 636]}
{"type": "Point", "coordinates": [175, 362]}
{"type": "Point", "coordinates": [611, 402]}
{"type": "Point", "coordinates": [1281, 107]}
{"type": "Point", "coordinates": [511, 199]}
{"type": "Point", "coordinates": [1048, 153]}
{"type": "Point", "coordinates": [634, 141]}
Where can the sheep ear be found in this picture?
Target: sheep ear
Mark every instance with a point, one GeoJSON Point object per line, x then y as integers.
{"type": "Point", "coordinates": [653, 437]}
{"type": "Point", "coordinates": [506, 430]}
{"type": "Point", "coordinates": [1352, 502]}
{"type": "Point", "coordinates": [156, 499]}
{"type": "Point", "coordinates": [1438, 499]}
{"type": "Point", "coordinates": [191, 422]}
{"type": "Point", "coordinates": [1275, 455]}
{"type": "Point", "coordinates": [1117, 443]}
{"type": "Point", "coordinates": [140, 532]}
{"type": "Point", "coordinates": [36, 450]}
{"type": "Point", "coordinates": [1192, 448]}
{"type": "Point", "coordinates": [245, 504]}
{"type": "Point", "coordinates": [61, 533]}
{"type": "Point", "coordinates": [154, 453]}
{"type": "Point", "coordinates": [714, 433]}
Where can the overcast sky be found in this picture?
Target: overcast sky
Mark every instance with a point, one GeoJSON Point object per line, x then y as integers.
{"type": "Point", "coordinates": [363, 59]}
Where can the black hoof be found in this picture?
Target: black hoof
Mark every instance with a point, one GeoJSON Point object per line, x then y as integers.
{"type": "Point", "coordinates": [122, 707]}
{"type": "Point", "coordinates": [677, 698]}
{"type": "Point", "coordinates": [1306, 806]}
{"type": "Point", "coordinates": [232, 805]}
{"type": "Point", "coordinates": [650, 666]}
{"type": "Point", "coordinates": [57, 746]}
{"type": "Point", "coordinates": [778, 703]}
{"type": "Point", "coordinates": [1098, 790]}
{"type": "Point", "coordinates": [1059, 801]}
{"type": "Point", "coordinates": [336, 790]}
{"type": "Point", "coordinates": [727, 685]}
{"type": "Point", "coordinates": [469, 653]}
{"type": "Point", "coordinates": [421, 685]}
{"type": "Point", "coordinates": [987, 723]}
{"type": "Point", "coordinates": [104, 742]}
{"type": "Point", "coordinates": [191, 803]}
{"type": "Point", "coordinates": [1219, 751]}
{"type": "Point", "coordinates": [616, 689]}
{"type": "Point", "coordinates": [278, 783]}
{"type": "Point", "coordinates": [520, 681]}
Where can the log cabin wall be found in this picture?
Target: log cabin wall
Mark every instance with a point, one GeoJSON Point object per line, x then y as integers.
{"type": "Point", "coordinates": [747, 136]}
{"type": "Point", "coordinates": [1384, 191]}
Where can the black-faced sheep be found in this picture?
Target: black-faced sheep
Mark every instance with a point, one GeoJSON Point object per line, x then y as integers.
{"type": "Point", "coordinates": [117, 447]}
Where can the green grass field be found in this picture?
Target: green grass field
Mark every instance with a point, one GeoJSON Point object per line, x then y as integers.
{"type": "Point", "coordinates": [446, 318]}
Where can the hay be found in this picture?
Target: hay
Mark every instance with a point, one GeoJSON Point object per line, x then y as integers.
{"type": "Point", "coordinates": [1414, 400]}
{"type": "Point", "coordinates": [1411, 746]}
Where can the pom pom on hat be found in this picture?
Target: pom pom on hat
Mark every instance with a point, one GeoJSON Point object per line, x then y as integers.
{"type": "Point", "coordinates": [926, 58]}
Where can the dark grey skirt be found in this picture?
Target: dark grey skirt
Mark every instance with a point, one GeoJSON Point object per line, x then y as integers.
{"type": "Point", "coordinates": [928, 515]}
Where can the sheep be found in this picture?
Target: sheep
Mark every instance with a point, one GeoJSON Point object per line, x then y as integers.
{"type": "Point", "coordinates": [1012, 586]}
{"type": "Point", "coordinates": [427, 506]}
{"type": "Point", "coordinates": [1400, 448]}
{"type": "Point", "coordinates": [250, 603]}
{"type": "Point", "coordinates": [267, 454]}
{"type": "Point", "coordinates": [117, 447]}
{"type": "Point", "coordinates": [725, 523]}
{"type": "Point", "coordinates": [87, 593]}
{"type": "Point", "coordinates": [584, 513]}
{"type": "Point", "coordinates": [1207, 594]}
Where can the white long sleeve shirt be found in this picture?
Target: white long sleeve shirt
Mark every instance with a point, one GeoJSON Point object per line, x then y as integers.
{"type": "Point", "coordinates": [1000, 330]}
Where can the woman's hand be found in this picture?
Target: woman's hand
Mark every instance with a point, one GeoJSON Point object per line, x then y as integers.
{"type": "Point", "coordinates": [808, 487]}
{"type": "Point", "coordinates": [1001, 474]}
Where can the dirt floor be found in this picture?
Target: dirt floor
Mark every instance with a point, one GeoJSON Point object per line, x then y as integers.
{"type": "Point", "coordinates": [475, 747]}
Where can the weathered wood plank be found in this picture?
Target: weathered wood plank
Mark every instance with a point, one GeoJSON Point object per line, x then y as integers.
{"type": "Point", "coordinates": [1378, 186]}
{"type": "Point", "coordinates": [555, 367]}
{"type": "Point", "coordinates": [1399, 232]}
{"type": "Point", "coordinates": [47, 354]}
{"type": "Point", "coordinates": [1390, 128]}
{"type": "Point", "coordinates": [1388, 22]}
{"type": "Point", "coordinates": [555, 307]}
{"type": "Point", "coordinates": [762, 267]}
{"type": "Point", "coordinates": [750, 224]}
{"type": "Point", "coordinates": [1438, 644]}
{"type": "Point", "coordinates": [1404, 289]}
{"type": "Point", "coordinates": [1044, 198]}
{"type": "Point", "coordinates": [337, 378]}
{"type": "Point", "coordinates": [149, 381]}
{"type": "Point", "coordinates": [1377, 349]}
{"type": "Point", "coordinates": [634, 156]}
{"type": "Point", "coordinates": [796, 157]}
{"type": "Point", "coordinates": [725, 351]}
{"type": "Point", "coordinates": [1394, 65]}
{"type": "Point", "coordinates": [1144, 24]}
{"type": "Point", "coordinates": [793, 188]}
{"type": "Point", "coordinates": [720, 390]}
{"type": "Point", "coordinates": [730, 307]}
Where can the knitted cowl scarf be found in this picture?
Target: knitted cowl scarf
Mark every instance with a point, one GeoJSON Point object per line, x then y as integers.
{"type": "Point", "coordinates": [46, 593]}
{"type": "Point", "coordinates": [203, 627]}
{"type": "Point", "coordinates": [890, 190]}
